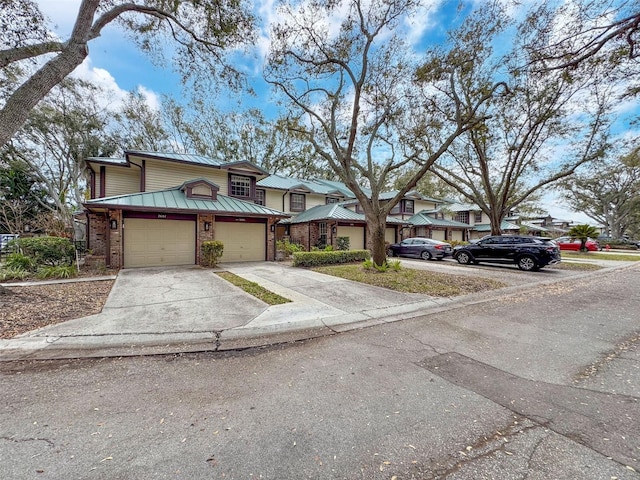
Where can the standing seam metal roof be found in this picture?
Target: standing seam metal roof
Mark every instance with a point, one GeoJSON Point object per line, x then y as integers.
{"type": "Point", "coordinates": [175, 199]}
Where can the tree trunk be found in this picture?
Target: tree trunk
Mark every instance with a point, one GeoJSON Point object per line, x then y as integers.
{"type": "Point", "coordinates": [496, 222]}
{"type": "Point", "coordinates": [16, 111]}
{"type": "Point", "coordinates": [375, 238]}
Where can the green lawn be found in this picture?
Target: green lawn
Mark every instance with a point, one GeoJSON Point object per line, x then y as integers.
{"type": "Point", "coordinates": [254, 289]}
{"type": "Point", "coordinates": [602, 256]}
{"type": "Point", "coordinates": [413, 281]}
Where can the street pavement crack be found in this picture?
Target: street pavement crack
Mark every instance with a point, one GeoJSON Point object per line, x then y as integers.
{"type": "Point", "coordinates": [627, 344]}
{"type": "Point", "coordinates": [24, 440]}
{"type": "Point", "coordinates": [594, 419]}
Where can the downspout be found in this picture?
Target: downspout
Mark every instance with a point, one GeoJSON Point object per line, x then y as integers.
{"type": "Point", "coordinates": [107, 253]}
{"type": "Point", "coordinates": [283, 195]}
{"type": "Point", "coordinates": [142, 174]}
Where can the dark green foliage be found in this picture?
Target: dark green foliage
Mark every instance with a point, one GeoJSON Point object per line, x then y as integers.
{"type": "Point", "coordinates": [19, 261]}
{"type": "Point", "coordinates": [582, 233]}
{"type": "Point", "coordinates": [312, 259]}
{"type": "Point", "coordinates": [343, 243]}
{"type": "Point", "coordinates": [211, 252]}
{"type": "Point", "coordinates": [52, 251]}
{"type": "Point", "coordinates": [58, 271]}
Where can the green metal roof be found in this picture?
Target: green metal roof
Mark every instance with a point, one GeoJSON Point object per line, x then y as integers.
{"type": "Point", "coordinates": [192, 159]}
{"type": "Point", "coordinates": [421, 218]}
{"type": "Point", "coordinates": [287, 183]}
{"type": "Point", "coordinates": [485, 227]}
{"type": "Point", "coordinates": [334, 211]}
{"type": "Point", "coordinates": [341, 187]}
{"type": "Point", "coordinates": [534, 227]}
{"type": "Point", "coordinates": [108, 160]}
{"type": "Point", "coordinates": [175, 199]}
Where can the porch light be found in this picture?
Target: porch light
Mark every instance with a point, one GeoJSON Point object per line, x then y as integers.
{"type": "Point", "coordinates": [113, 224]}
{"type": "Point", "coordinates": [273, 227]}
{"type": "Point", "coordinates": [207, 226]}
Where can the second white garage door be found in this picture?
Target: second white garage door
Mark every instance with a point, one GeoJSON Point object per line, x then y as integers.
{"type": "Point", "coordinates": [154, 243]}
{"type": "Point", "coordinates": [355, 234]}
{"type": "Point", "coordinates": [243, 242]}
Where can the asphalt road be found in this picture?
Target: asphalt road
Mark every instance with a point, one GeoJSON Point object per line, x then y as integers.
{"type": "Point", "coordinates": [539, 386]}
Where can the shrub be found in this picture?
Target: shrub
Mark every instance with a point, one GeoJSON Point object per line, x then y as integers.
{"type": "Point", "coordinates": [50, 251]}
{"type": "Point", "coordinates": [367, 264]}
{"type": "Point", "coordinates": [455, 243]}
{"type": "Point", "coordinates": [13, 274]}
{"type": "Point", "coordinates": [343, 243]}
{"type": "Point", "coordinates": [288, 248]}
{"type": "Point", "coordinates": [313, 259]}
{"type": "Point", "coordinates": [57, 271]}
{"type": "Point", "coordinates": [395, 265]}
{"type": "Point", "coordinates": [381, 268]}
{"type": "Point", "coordinates": [211, 252]}
{"type": "Point", "coordinates": [19, 261]}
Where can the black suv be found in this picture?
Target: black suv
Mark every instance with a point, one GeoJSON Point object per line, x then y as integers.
{"type": "Point", "coordinates": [529, 253]}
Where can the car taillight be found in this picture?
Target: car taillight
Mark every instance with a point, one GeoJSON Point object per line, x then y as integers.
{"type": "Point", "coordinates": [439, 247]}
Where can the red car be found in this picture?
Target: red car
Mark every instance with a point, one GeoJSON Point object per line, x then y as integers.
{"type": "Point", "coordinates": [568, 243]}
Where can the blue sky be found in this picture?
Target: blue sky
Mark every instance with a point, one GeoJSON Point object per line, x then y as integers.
{"type": "Point", "coordinates": [115, 63]}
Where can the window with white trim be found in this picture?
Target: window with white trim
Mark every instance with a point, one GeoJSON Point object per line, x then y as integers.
{"type": "Point", "coordinates": [297, 202]}
{"type": "Point", "coordinates": [240, 186]}
{"type": "Point", "coordinates": [477, 217]}
{"type": "Point", "coordinates": [462, 217]}
{"type": "Point", "coordinates": [260, 200]}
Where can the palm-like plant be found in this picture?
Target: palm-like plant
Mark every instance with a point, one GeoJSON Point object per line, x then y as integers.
{"type": "Point", "coordinates": [583, 233]}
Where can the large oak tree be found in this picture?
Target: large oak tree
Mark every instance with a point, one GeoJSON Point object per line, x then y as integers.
{"type": "Point", "coordinates": [350, 80]}
{"type": "Point", "coordinates": [202, 31]}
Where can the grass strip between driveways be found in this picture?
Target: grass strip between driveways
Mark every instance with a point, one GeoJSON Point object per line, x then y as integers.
{"type": "Point", "coordinates": [603, 256]}
{"type": "Point", "coordinates": [252, 288]}
{"type": "Point", "coordinates": [413, 281]}
{"type": "Point", "coordinates": [575, 266]}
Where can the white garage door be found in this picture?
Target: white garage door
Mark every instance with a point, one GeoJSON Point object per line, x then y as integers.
{"type": "Point", "coordinates": [355, 234]}
{"type": "Point", "coordinates": [154, 243]}
{"type": "Point", "coordinates": [390, 235]}
{"type": "Point", "coordinates": [437, 235]}
{"type": "Point", "coordinates": [243, 242]}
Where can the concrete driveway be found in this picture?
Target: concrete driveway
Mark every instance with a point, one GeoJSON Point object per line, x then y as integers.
{"type": "Point", "coordinates": [165, 300]}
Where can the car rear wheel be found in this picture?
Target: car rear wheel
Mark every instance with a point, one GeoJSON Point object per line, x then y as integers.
{"type": "Point", "coordinates": [390, 253]}
{"type": "Point", "coordinates": [527, 263]}
{"type": "Point", "coordinates": [463, 258]}
{"type": "Point", "coordinates": [426, 255]}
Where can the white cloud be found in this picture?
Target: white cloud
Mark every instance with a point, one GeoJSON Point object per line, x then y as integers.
{"type": "Point", "coordinates": [114, 95]}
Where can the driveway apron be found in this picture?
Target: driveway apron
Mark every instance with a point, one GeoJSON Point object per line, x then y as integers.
{"type": "Point", "coordinates": [165, 300]}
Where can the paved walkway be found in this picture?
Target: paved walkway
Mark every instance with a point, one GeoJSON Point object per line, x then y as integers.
{"type": "Point", "coordinates": [186, 309]}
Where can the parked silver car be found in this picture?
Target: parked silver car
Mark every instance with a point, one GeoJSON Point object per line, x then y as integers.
{"type": "Point", "coordinates": [424, 248]}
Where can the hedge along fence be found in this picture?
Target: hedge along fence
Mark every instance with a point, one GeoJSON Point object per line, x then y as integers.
{"type": "Point", "coordinates": [314, 259]}
{"type": "Point", "coordinates": [52, 251]}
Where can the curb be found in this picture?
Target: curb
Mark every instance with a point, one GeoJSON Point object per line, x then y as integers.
{"type": "Point", "coordinates": [247, 336]}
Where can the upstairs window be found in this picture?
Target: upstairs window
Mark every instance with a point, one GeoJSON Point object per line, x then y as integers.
{"type": "Point", "coordinates": [408, 206]}
{"type": "Point", "coordinates": [332, 200]}
{"type": "Point", "coordinates": [240, 186]}
{"type": "Point", "coordinates": [477, 217]}
{"type": "Point", "coordinates": [297, 202]}
{"type": "Point", "coordinates": [259, 197]}
{"type": "Point", "coordinates": [395, 209]}
{"type": "Point", "coordinates": [462, 217]}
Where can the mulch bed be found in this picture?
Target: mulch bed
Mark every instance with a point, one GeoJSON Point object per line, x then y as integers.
{"type": "Point", "coordinates": [27, 308]}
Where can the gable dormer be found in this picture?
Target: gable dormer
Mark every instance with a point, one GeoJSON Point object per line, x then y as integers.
{"type": "Point", "coordinates": [200, 189]}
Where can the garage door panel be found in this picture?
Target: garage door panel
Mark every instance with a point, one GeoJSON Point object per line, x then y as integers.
{"type": "Point", "coordinates": [437, 235]}
{"type": "Point", "coordinates": [152, 243]}
{"type": "Point", "coordinates": [390, 235]}
{"type": "Point", "coordinates": [243, 242]}
{"type": "Point", "coordinates": [355, 234]}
